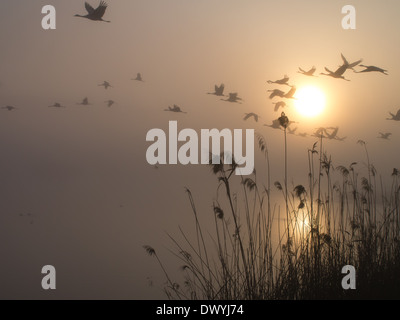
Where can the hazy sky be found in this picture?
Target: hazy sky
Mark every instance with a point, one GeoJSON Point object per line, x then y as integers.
{"type": "Point", "coordinates": [81, 172]}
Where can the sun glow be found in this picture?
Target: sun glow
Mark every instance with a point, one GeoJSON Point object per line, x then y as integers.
{"type": "Point", "coordinates": [310, 101]}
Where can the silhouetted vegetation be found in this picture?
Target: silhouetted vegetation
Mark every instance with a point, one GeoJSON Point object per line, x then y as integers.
{"type": "Point", "coordinates": [337, 218]}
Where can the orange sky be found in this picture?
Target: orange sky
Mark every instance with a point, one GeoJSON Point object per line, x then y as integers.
{"type": "Point", "coordinates": [82, 170]}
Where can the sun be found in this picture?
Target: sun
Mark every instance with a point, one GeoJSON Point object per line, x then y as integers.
{"type": "Point", "coordinates": [310, 101]}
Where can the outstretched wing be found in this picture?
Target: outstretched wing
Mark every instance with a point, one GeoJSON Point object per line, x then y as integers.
{"type": "Point", "coordinates": [233, 95]}
{"type": "Point", "coordinates": [276, 92]}
{"type": "Point", "coordinates": [219, 90]}
{"type": "Point", "coordinates": [291, 92]}
{"type": "Point", "coordinates": [100, 10]}
{"type": "Point", "coordinates": [89, 8]}
{"type": "Point", "coordinates": [176, 108]}
{"type": "Point", "coordinates": [248, 115]}
{"type": "Point", "coordinates": [344, 60]}
{"type": "Point", "coordinates": [352, 65]}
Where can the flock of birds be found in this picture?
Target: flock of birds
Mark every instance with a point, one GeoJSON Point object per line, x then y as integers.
{"type": "Point", "coordinates": [330, 132]}
{"type": "Point", "coordinates": [85, 101]}
{"type": "Point", "coordinates": [233, 97]}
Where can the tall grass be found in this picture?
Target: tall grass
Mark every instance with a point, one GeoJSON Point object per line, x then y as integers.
{"type": "Point", "coordinates": [340, 218]}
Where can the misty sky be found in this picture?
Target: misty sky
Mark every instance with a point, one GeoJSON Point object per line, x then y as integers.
{"type": "Point", "coordinates": [76, 190]}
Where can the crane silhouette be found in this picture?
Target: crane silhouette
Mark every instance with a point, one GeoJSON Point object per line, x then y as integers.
{"type": "Point", "coordinates": [9, 108]}
{"type": "Point", "coordinates": [174, 109]}
{"type": "Point", "coordinates": [276, 124]}
{"type": "Point", "coordinates": [284, 80]}
{"type": "Point", "coordinates": [371, 69]}
{"type": "Point", "coordinates": [319, 132]}
{"type": "Point", "coordinates": [342, 69]}
{"type": "Point", "coordinates": [106, 85]}
{"type": "Point", "coordinates": [95, 14]}
{"type": "Point", "coordinates": [85, 102]}
{"type": "Point", "coordinates": [385, 135]}
{"type": "Point", "coordinates": [109, 103]}
{"type": "Point", "coordinates": [279, 104]}
{"type": "Point", "coordinates": [280, 93]}
{"type": "Point", "coordinates": [233, 97]}
{"type": "Point", "coordinates": [56, 105]}
{"type": "Point", "coordinates": [337, 74]}
{"type": "Point", "coordinates": [218, 90]}
{"type": "Point", "coordinates": [309, 73]}
{"type": "Point", "coordinates": [333, 134]}
{"type": "Point", "coordinates": [395, 117]}
{"type": "Point", "coordinates": [138, 77]}
{"type": "Point", "coordinates": [251, 114]}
